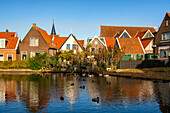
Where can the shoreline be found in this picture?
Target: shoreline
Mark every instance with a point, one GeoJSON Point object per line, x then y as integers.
{"type": "Point", "coordinates": [147, 74]}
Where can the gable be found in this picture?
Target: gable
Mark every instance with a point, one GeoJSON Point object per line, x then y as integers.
{"type": "Point", "coordinates": [148, 34]}
{"type": "Point", "coordinates": [34, 33]}
{"type": "Point", "coordinates": [124, 35]}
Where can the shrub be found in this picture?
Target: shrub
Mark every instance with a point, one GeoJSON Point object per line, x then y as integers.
{"type": "Point", "coordinates": [131, 58]}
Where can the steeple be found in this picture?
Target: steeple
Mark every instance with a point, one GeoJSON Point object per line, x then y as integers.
{"type": "Point", "coordinates": [53, 29]}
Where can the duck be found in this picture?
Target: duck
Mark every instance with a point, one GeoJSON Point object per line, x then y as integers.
{"type": "Point", "coordinates": [90, 75]}
{"type": "Point", "coordinates": [61, 98]}
{"type": "Point", "coordinates": [100, 75]}
{"type": "Point", "coordinates": [82, 87]}
{"type": "Point", "coordinates": [108, 82]}
{"type": "Point", "coordinates": [84, 74]}
{"type": "Point", "coordinates": [96, 99]}
{"type": "Point", "coordinates": [72, 84]}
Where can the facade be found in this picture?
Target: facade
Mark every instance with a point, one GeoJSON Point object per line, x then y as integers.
{"type": "Point", "coordinates": [162, 39]}
{"type": "Point", "coordinates": [37, 41]}
{"type": "Point", "coordinates": [97, 44]}
{"type": "Point", "coordinates": [8, 46]}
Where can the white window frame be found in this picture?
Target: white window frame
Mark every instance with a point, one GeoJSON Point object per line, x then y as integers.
{"type": "Point", "coordinates": [166, 22]}
{"type": "Point", "coordinates": [34, 41]}
{"type": "Point", "coordinates": [4, 42]}
{"type": "Point", "coordinates": [9, 54]}
{"type": "Point", "coordinates": [3, 56]}
{"type": "Point", "coordinates": [165, 36]}
{"type": "Point", "coordinates": [124, 32]}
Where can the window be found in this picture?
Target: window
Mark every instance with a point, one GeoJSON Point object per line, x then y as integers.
{"type": "Point", "coordinates": [2, 43]}
{"type": "Point", "coordinates": [1, 57]}
{"type": "Point", "coordinates": [125, 35]}
{"type": "Point", "coordinates": [74, 46]}
{"type": "Point", "coordinates": [148, 35]}
{"type": "Point", "coordinates": [9, 57]}
{"type": "Point", "coordinates": [163, 53]}
{"type": "Point", "coordinates": [24, 55]}
{"type": "Point", "coordinates": [96, 42]}
{"type": "Point", "coordinates": [33, 41]}
{"type": "Point", "coordinates": [166, 36]}
{"type": "Point", "coordinates": [166, 22]}
{"type": "Point", "coordinates": [68, 46]}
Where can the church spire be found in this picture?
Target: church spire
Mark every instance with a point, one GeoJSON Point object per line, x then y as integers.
{"type": "Point", "coordinates": [53, 29]}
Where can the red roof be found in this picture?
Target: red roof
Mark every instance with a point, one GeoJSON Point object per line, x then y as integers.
{"type": "Point", "coordinates": [11, 43]}
{"type": "Point", "coordinates": [46, 37]}
{"type": "Point", "coordinates": [140, 35]}
{"type": "Point", "coordinates": [7, 35]}
{"type": "Point", "coordinates": [110, 43]}
{"type": "Point", "coordinates": [130, 45]}
{"type": "Point", "coordinates": [146, 41]}
{"type": "Point", "coordinates": [11, 39]}
{"type": "Point", "coordinates": [81, 42]}
{"type": "Point", "coordinates": [59, 41]}
{"type": "Point", "coordinates": [168, 14]}
{"type": "Point", "coordinates": [110, 31]}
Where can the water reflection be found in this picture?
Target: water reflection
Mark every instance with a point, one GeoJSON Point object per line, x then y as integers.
{"type": "Point", "coordinates": [41, 93]}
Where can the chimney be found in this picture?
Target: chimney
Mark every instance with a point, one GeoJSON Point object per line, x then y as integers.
{"type": "Point", "coordinates": [34, 25]}
{"type": "Point", "coordinates": [6, 30]}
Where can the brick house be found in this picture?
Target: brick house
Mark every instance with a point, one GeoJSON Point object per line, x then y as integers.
{"type": "Point", "coordinates": [37, 41]}
{"type": "Point", "coordinates": [162, 39]}
{"type": "Point", "coordinates": [97, 44]}
{"type": "Point", "coordinates": [8, 46]}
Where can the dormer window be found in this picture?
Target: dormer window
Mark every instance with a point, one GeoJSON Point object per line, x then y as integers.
{"type": "Point", "coordinates": [166, 22]}
{"type": "Point", "coordinates": [124, 35]}
{"type": "Point", "coordinates": [2, 43]}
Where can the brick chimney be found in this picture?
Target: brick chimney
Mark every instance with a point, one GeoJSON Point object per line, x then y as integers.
{"type": "Point", "coordinates": [6, 30]}
{"type": "Point", "coordinates": [34, 25]}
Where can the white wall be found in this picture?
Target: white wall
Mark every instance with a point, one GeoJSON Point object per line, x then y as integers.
{"type": "Point", "coordinates": [149, 47]}
{"type": "Point", "coordinates": [71, 41]}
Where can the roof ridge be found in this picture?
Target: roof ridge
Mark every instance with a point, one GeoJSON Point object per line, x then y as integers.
{"type": "Point", "coordinates": [127, 26]}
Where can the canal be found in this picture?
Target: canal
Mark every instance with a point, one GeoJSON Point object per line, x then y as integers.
{"type": "Point", "coordinates": [41, 93]}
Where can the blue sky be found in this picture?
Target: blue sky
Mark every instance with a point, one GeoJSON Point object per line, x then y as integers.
{"type": "Point", "coordinates": [84, 17]}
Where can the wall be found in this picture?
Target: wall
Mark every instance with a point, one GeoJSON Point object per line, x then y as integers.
{"type": "Point", "coordinates": [71, 41]}
{"type": "Point", "coordinates": [25, 44]}
{"type": "Point", "coordinates": [134, 64]}
{"type": "Point", "coordinates": [5, 52]}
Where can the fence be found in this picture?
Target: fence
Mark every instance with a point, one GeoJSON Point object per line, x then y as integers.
{"type": "Point", "coordinates": [134, 64]}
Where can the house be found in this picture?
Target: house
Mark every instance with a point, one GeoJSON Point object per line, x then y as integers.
{"type": "Point", "coordinates": [8, 45]}
{"type": "Point", "coordinates": [37, 41]}
{"type": "Point", "coordinates": [145, 34]}
{"type": "Point", "coordinates": [162, 39]}
{"type": "Point", "coordinates": [97, 44]}
{"type": "Point", "coordinates": [131, 47]}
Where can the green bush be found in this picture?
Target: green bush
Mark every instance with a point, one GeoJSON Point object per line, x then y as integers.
{"type": "Point", "coordinates": [131, 58]}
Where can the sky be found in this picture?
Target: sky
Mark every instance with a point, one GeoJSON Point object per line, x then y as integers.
{"type": "Point", "coordinates": [81, 17]}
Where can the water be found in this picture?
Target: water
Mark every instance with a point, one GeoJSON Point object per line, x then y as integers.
{"type": "Point", "coordinates": [33, 93]}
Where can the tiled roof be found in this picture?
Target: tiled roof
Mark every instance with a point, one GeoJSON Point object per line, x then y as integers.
{"type": "Point", "coordinates": [110, 43]}
{"type": "Point", "coordinates": [59, 41]}
{"type": "Point", "coordinates": [81, 42]}
{"type": "Point", "coordinates": [7, 35]}
{"type": "Point", "coordinates": [140, 35]}
{"type": "Point", "coordinates": [145, 42]}
{"type": "Point", "coordinates": [130, 45]}
{"type": "Point", "coordinates": [168, 14]}
{"type": "Point", "coordinates": [12, 43]}
{"type": "Point", "coordinates": [46, 37]}
{"type": "Point", "coordinates": [110, 31]}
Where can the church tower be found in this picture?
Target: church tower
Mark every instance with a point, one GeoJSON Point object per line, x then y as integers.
{"type": "Point", "coordinates": [53, 30]}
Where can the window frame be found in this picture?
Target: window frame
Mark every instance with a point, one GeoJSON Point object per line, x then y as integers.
{"type": "Point", "coordinates": [166, 23]}
{"type": "Point", "coordinates": [34, 41]}
{"type": "Point", "coordinates": [165, 38]}
{"type": "Point", "coordinates": [8, 55]}
{"type": "Point", "coordinates": [3, 42]}
{"type": "Point", "coordinates": [73, 46]}
{"type": "Point", "coordinates": [3, 58]}
{"type": "Point", "coordinates": [67, 46]}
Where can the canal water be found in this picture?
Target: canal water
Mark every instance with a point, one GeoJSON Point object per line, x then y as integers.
{"type": "Point", "coordinates": [41, 93]}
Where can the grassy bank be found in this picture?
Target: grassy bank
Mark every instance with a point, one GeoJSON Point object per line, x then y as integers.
{"type": "Point", "coordinates": [148, 73]}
